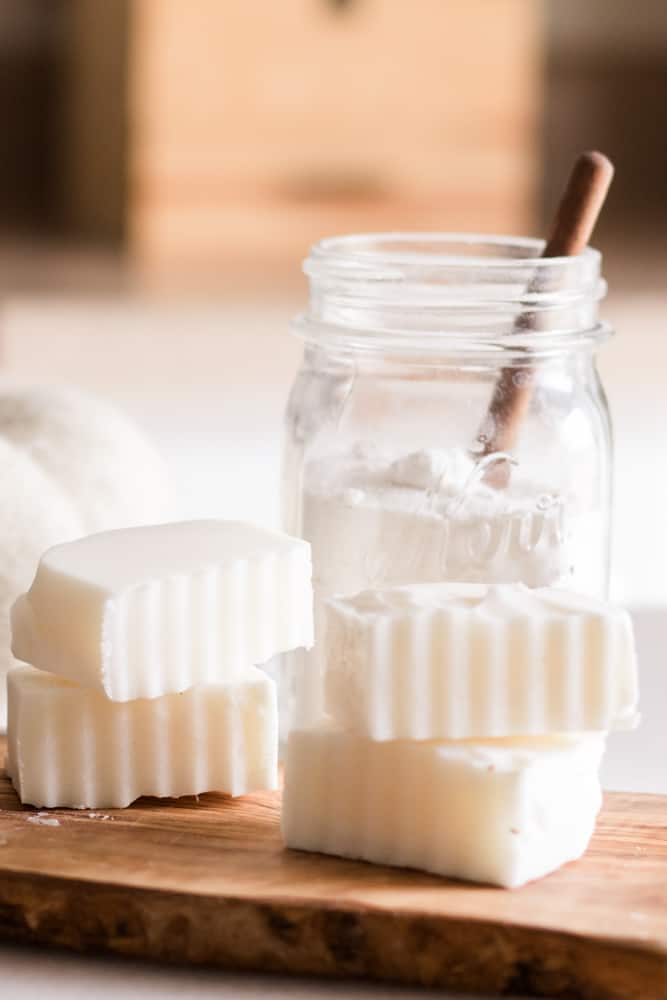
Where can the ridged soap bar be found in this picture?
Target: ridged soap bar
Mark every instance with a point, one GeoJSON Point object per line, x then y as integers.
{"type": "Point", "coordinates": [453, 661]}
{"type": "Point", "coordinates": [502, 812]}
{"type": "Point", "coordinates": [147, 611]}
{"type": "Point", "coordinates": [70, 746]}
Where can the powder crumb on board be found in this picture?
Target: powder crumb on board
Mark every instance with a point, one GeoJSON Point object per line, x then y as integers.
{"type": "Point", "coordinates": [101, 816]}
{"type": "Point", "coordinates": [42, 820]}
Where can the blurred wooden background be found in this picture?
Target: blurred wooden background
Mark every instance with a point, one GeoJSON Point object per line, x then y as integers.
{"type": "Point", "coordinates": [257, 127]}
{"type": "Point", "coordinates": [242, 130]}
{"type": "Point", "coordinates": [235, 132]}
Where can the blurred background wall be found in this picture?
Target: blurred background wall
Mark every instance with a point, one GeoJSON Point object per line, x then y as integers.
{"type": "Point", "coordinates": [312, 116]}
{"type": "Point", "coordinates": [241, 130]}
{"type": "Point", "coordinates": [30, 48]}
{"type": "Point", "coordinates": [606, 86]}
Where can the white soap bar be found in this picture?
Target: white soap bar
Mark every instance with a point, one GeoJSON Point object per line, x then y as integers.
{"type": "Point", "coordinates": [146, 611]}
{"type": "Point", "coordinates": [70, 746]}
{"type": "Point", "coordinates": [502, 812]}
{"type": "Point", "coordinates": [451, 661]}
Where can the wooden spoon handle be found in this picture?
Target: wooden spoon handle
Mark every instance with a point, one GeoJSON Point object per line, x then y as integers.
{"type": "Point", "coordinates": [580, 205]}
{"type": "Point", "coordinates": [570, 232]}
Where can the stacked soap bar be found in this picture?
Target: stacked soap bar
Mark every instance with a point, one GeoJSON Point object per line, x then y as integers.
{"type": "Point", "coordinates": [145, 642]}
{"type": "Point", "coordinates": [148, 611]}
{"type": "Point", "coordinates": [467, 726]}
{"type": "Point", "coordinates": [503, 812]}
{"type": "Point", "coordinates": [71, 746]}
{"type": "Point", "coordinates": [453, 661]}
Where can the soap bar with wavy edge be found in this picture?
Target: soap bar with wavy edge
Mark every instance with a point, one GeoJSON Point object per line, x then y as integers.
{"type": "Point", "coordinates": [69, 746]}
{"type": "Point", "coordinates": [454, 660]}
{"type": "Point", "coordinates": [146, 611]}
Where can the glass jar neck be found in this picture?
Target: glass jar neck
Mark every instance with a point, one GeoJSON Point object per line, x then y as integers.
{"type": "Point", "coordinates": [463, 294]}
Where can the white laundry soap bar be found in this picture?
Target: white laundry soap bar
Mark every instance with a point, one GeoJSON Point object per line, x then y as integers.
{"type": "Point", "coordinates": [70, 746]}
{"type": "Point", "coordinates": [503, 812]}
{"type": "Point", "coordinates": [456, 660]}
{"type": "Point", "coordinates": [146, 611]}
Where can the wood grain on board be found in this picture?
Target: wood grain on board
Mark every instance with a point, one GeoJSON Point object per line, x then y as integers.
{"type": "Point", "coordinates": [208, 881]}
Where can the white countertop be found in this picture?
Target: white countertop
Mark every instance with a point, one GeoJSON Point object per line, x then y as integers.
{"type": "Point", "coordinates": [35, 975]}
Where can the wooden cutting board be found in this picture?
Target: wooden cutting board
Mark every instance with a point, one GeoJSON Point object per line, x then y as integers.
{"type": "Point", "coordinates": [208, 881]}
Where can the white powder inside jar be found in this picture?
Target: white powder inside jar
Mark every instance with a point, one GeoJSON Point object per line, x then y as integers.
{"type": "Point", "coordinates": [425, 517]}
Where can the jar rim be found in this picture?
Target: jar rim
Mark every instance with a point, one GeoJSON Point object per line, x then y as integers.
{"type": "Point", "coordinates": [463, 346]}
{"type": "Point", "coordinates": [395, 255]}
{"type": "Point", "coordinates": [463, 290]}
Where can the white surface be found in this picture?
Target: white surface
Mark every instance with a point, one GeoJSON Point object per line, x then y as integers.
{"type": "Point", "coordinates": [502, 812]}
{"type": "Point", "coordinates": [114, 561]}
{"type": "Point", "coordinates": [151, 610]}
{"type": "Point", "coordinates": [637, 761]}
{"type": "Point", "coordinates": [208, 382]}
{"type": "Point", "coordinates": [70, 746]}
{"type": "Point", "coordinates": [36, 975]}
{"type": "Point", "coordinates": [457, 660]}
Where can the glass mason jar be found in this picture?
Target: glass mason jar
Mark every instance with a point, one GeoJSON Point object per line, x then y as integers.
{"type": "Point", "coordinates": [389, 467]}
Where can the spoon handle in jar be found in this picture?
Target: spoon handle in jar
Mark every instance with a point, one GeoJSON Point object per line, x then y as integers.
{"type": "Point", "coordinates": [569, 235]}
